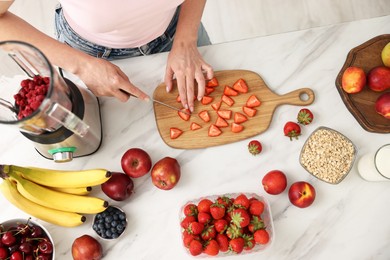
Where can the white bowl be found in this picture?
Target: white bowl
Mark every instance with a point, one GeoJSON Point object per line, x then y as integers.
{"type": "Point", "coordinates": [14, 222]}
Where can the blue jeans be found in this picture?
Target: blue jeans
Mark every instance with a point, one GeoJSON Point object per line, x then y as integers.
{"type": "Point", "coordinates": [163, 43]}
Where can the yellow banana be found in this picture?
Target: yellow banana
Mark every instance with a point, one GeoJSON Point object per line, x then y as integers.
{"type": "Point", "coordinates": [59, 178]}
{"type": "Point", "coordinates": [75, 191]}
{"type": "Point", "coordinates": [56, 217]}
{"type": "Point", "coordinates": [58, 200]}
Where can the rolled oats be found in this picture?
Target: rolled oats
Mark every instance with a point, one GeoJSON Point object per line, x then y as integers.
{"type": "Point", "coordinates": [328, 155]}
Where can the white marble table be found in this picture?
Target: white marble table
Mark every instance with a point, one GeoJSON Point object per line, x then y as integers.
{"type": "Point", "coordinates": [346, 221]}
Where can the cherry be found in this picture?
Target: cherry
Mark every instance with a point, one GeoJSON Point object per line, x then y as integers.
{"type": "Point", "coordinates": [8, 238]}
{"type": "Point", "coordinates": [17, 255]}
{"type": "Point", "coordinates": [45, 247]}
{"type": "Point", "coordinates": [26, 247]}
{"type": "Point", "coordinates": [36, 231]}
{"type": "Point", "coordinates": [3, 253]}
{"type": "Point", "coordinates": [43, 257]}
{"type": "Point", "coordinates": [23, 229]}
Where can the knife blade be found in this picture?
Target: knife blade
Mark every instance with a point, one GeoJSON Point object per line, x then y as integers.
{"type": "Point", "coordinates": [169, 106]}
{"type": "Point", "coordinates": [164, 104]}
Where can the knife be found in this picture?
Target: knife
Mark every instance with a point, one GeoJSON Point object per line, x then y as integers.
{"type": "Point", "coordinates": [169, 106]}
{"type": "Point", "coordinates": [164, 104]}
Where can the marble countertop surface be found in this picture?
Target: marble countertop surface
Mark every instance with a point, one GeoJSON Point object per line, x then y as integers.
{"type": "Point", "coordinates": [347, 221]}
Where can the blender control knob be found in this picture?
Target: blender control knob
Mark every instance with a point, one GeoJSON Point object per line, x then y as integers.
{"type": "Point", "coordinates": [63, 154]}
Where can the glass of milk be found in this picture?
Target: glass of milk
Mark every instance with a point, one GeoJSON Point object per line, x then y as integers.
{"type": "Point", "coordinates": [376, 166]}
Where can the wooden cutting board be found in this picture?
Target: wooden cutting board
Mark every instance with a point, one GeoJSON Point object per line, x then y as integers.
{"type": "Point", "coordinates": [167, 118]}
{"type": "Point", "coordinates": [362, 104]}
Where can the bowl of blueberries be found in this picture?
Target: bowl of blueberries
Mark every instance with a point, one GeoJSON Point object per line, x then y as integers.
{"type": "Point", "coordinates": [111, 223]}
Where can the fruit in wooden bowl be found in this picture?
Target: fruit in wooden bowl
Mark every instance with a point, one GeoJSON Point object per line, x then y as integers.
{"type": "Point", "coordinates": [353, 79]}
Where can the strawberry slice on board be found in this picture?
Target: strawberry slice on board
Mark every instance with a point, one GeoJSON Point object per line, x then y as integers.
{"type": "Point", "coordinates": [207, 100]}
{"type": "Point", "coordinates": [220, 122]}
{"type": "Point", "coordinates": [253, 101]}
{"type": "Point", "coordinates": [175, 132]}
{"type": "Point", "coordinates": [225, 114]}
{"type": "Point", "coordinates": [216, 105]}
{"type": "Point", "coordinates": [249, 111]}
{"type": "Point", "coordinates": [209, 90]}
{"type": "Point", "coordinates": [240, 86]}
{"type": "Point", "coordinates": [184, 114]}
{"type": "Point", "coordinates": [227, 100]}
{"type": "Point", "coordinates": [204, 115]}
{"type": "Point", "coordinates": [212, 82]}
{"type": "Point", "coordinates": [195, 126]}
{"type": "Point", "coordinates": [214, 131]}
{"type": "Point", "coordinates": [236, 128]}
{"type": "Point", "coordinates": [228, 91]}
{"type": "Point", "coordinates": [239, 118]}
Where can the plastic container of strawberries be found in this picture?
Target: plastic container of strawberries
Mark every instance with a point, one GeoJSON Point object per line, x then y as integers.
{"type": "Point", "coordinates": [266, 217]}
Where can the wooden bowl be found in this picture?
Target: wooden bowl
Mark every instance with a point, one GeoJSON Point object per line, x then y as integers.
{"type": "Point", "coordinates": [362, 104]}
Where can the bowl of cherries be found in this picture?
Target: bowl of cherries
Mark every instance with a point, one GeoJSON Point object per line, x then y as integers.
{"type": "Point", "coordinates": [25, 239]}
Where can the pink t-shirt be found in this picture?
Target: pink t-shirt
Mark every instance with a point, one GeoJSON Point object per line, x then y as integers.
{"type": "Point", "coordinates": [119, 23]}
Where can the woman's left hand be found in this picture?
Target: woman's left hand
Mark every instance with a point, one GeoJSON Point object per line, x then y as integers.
{"type": "Point", "coordinates": [188, 67]}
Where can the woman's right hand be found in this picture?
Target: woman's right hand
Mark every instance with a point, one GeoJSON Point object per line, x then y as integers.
{"type": "Point", "coordinates": [104, 78]}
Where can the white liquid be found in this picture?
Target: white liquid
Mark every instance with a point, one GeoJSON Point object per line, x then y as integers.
{"type": "Point", "coordinates": [382, 160]}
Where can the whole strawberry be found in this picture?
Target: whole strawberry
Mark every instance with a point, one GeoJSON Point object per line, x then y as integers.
{"type": "Point", "coordinates": [217, 210]}
{"type": "Point", "coordinates": [255, 147]}
{"type": "Point", "coordinates": [292, 130]}
{"type": "Point", "coordinates": [236, 245]}
{"type": "Point", "coordinates": [240, 217]}
{"type": "Point", "coordinates": [305, 116]}
{"type": "Point", "coordinates": [196, 247]}
{"type": "Point", "coordinates": [211, 248]}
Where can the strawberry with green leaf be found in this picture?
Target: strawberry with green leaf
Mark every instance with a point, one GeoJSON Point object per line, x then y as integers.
{"type": "Point", "coordinates": [305, 116]}
{"type": "Point", "coordinates": [240, 217]}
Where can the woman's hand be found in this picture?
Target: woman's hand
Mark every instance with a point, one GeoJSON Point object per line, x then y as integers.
{"type": "Point", "coordinates": [106, 79]}
{"type": "Point", "coordinates": [188, 67]}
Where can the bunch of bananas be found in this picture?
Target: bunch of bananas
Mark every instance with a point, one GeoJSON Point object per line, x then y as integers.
{"type": "Point", "coordinates": [57, 197]}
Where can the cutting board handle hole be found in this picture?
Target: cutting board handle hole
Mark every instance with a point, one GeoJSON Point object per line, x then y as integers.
{"type": "Point", "coordinates": [304, 96]}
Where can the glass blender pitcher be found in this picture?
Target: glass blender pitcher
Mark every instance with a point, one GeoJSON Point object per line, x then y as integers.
{"type": "Point", "coordinates": [62, 119]}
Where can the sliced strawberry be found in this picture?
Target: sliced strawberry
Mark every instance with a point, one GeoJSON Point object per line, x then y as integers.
{"type": "Point", "coordinates": [209, 90]}
{"type": "Point", "coordinates": [240, 86]}
{"type": "Point", "coordinates": [225, 114]}
{"type": "Point", "coordinates": [207, 100]}
{"type": "Point", "coordinates": [194, 126]}
{"type": "Point", "coordinates": [175, 132]}
{"type": "Point", "coordinates": [220, 122]}
{"type": "Point", "coordinates": [228, 91]}
{"type": "Point", "coordinates": [185, 114]}
{"type": "Point", "coordinates": [216, 105]}
{"type": "Point", "coordinates": [239, 118]}
{"type": "Point", "coordinates": [253, 101]}
{"type": "Point", "coordinates": [212, 82]}
{"type": "Point", "coordinates": [249, 111]}
{"type": "Point", "coordinates": [204, 115]}
{"type": "Point", "coordinates": [236, 128]}
{"type": "Point", "coordinates": [227, 100]}
{"type": "Point", "coordinates": [214, 131]}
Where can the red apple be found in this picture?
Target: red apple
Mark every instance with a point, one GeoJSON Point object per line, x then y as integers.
{"type": "Point", "coordinates": [378, 78]}
{"type": "Point", "coordinates": [382, 105]}
{"type": "Point", "coordinates": [301, 194]}
{"type": "Point", "coordinates": [86, 248]}
{"type": "Point", "coordinates": [353, 80]}
{"type": "Point", "coordinates": [166, 173]}
{"type": "Point", "coordinates": [136, 162]}
{"type": "Point", "coordinates": [119, 187]}
{"type": "Point", "coordinates": [274, 182]}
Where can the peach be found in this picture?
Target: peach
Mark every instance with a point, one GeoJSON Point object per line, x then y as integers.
{"type": "Point", "coordinates": [385, 54]}
{"type": "Point", "coordinates": [382, 105]}
{"type": "Point", "coordinates": [378, 78]}
{"type": "Point", "coordinates": [301, 194]}
{"type": "Point", "coordinates": [353, 80]}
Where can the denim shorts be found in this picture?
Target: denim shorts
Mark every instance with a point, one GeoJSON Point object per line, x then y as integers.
{"type": "Point", "coordinates": [66, 34]}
